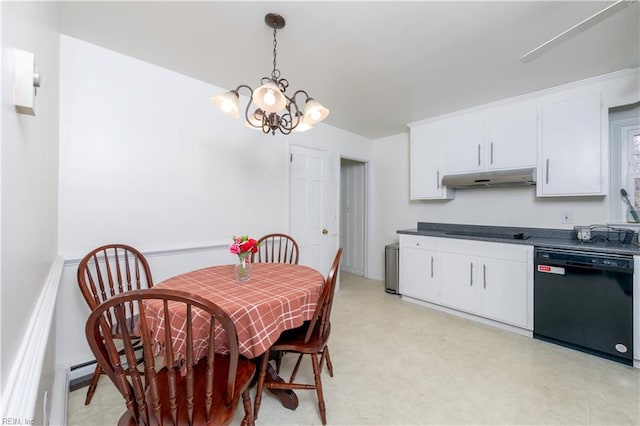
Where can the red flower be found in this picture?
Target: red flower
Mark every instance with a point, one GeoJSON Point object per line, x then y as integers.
{"type": "Point", "coordinates": [243, 246]}
{"type": "Point", "coordinates": [249, 246]}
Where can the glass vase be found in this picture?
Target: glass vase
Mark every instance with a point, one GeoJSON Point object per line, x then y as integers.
{"type": "Point", "coordinates": [242, 271]}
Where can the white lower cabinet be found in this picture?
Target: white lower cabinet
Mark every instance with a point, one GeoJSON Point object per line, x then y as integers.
{"type": "Point", "coordinates": [503, 291]}
{"type": "Point", "coordinates": [419, 276]}
{"type": "Point", "coordinates": [458, 291]}
{"type": "Point", "coordinates": [491, 280]}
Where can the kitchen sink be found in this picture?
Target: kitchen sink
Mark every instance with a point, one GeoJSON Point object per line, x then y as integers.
{"type": "Point", "coordinates": [516, 236]}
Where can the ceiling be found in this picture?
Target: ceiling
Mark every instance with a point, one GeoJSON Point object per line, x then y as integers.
{"type": "Point", "coordinates": [376, 65]}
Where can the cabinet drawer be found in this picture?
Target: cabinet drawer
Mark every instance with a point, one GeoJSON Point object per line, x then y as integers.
{"type": "Point", "coordinates": [419, 242]}
{"type": "Point", "coordinates": [513, 252]}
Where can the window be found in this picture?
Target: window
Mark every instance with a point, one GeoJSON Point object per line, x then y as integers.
{"type": "Point", "coordinates": [625, 161]}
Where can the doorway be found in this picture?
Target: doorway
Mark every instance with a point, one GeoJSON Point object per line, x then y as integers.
{"type": "Point", "coordinates": [354, 201]}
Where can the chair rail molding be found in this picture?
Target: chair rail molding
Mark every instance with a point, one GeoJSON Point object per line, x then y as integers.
{"type": "Point", "coordinates": [74, 258]}
{"type": "Point", "coordinates": [20, 395]}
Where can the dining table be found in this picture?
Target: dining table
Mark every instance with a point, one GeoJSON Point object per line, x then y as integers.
{"type": "Point", "coordinates": [278, 297]}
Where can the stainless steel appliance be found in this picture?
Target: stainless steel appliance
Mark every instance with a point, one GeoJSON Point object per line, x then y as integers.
{"type": "Point", "coordinates": [391, 267]}
{"type": "Point", "coordinates": [584, 301]}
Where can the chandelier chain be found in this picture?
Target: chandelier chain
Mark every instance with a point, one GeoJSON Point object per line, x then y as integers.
{"type": "Point", "coordinates": [275, 73]}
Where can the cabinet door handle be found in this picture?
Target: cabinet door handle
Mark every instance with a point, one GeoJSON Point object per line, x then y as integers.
{"type": "Point", "coordinates": [491, 152]}
{"type": "Point", "coordinates": [484, 275]}
{"type": "Point", "coordinates": [431, 266]}
{"type": "Point", "coordinates": [471, 274]}
{"type": "Point", "coordinates": [547, 172]}
{"type": "Point", "coordinates": [478, 154]}
{"type": "Point", "coordinates": [438, 179]}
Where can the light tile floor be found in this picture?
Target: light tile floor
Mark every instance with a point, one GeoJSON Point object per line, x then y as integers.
{"type": "Point", "coordinates": [399, 363]}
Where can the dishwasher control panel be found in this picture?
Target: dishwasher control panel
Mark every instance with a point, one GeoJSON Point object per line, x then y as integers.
{"type": "Point", "coordinates": [557, 257]}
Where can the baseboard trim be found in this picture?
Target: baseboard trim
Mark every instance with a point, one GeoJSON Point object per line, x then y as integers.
{"type": "Point", "coordinates": [21, 392]}
{"type": "Point", "coordinates": [475, 318]}
{"type": "Point", "coordinates": [60, 394]}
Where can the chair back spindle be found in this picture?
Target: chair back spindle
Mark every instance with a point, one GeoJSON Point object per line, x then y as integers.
{"type": "Point", "coordinates": [276, 248]}
{"type": "Point", "coordinates": [320, 322]}
{"type": "Point", "coordinates": [185, 390]}
{"type": "Point", "coordinates": [105, 272]}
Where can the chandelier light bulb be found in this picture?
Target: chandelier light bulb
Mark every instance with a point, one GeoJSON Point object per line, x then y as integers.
{"type": "Point", "coordinates": [269, 97]}
{"type": "Point", "coordinates": [314, 112]}
{"type": "Point", "coordinates": [226, 106]}
{"type": "Point", "coordinates": [315, 115]}
{"type": "Point", "coordinates": [229, 103]}
{"type": "Point", "coordinates": [254, 121]}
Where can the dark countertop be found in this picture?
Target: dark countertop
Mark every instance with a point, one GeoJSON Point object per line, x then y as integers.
{"type": "Point", "coordinates": [537, 237]}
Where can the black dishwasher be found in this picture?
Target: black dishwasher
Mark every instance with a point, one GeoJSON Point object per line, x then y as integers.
{"type": "Point", "coordinates": [584, 301]}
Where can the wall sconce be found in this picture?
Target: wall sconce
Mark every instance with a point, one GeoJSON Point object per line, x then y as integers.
{"type": "Point", "coordinates": [25, 81]}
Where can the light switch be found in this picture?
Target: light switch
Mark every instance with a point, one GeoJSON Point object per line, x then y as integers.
{"type": "Point", "coordinates": [25, 82]}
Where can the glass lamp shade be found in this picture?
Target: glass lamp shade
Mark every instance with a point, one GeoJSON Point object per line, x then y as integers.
{"type": "Point", "coordinates": [229, 103]}
{"type": "Point", "coordinates": [269, 98]}
{"type": "Point", "coordinates": [255, 120]}
{"type": "Point", "coordinates": [302, 126]}
{"type": "Point", "coordinates": [314, 112]}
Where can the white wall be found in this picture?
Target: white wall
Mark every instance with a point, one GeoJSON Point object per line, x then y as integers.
{"type": "Point", "coordinates": [146, 159]}
{"type": "Point", "coordinates": [496, 206]}
{"type": "Point", "coordinates": [29, 169]}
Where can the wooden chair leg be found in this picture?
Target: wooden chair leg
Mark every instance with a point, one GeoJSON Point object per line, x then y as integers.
{"type": "Point", "coordinates": [248, 416]}
{"type": "Point", "coordinates": [325, 354]}
{"type": "Point", "coordinates": [261, 377]}
{"type": "Point", "coordinates": [93, 385]}
{"type": "Point", "coordinates": [318, 382]}
{"type": "Point", "coordinates": [295, 369]}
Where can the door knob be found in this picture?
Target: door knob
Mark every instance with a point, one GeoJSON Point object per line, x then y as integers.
{"type": "Point", "coordinates": [325, 231]}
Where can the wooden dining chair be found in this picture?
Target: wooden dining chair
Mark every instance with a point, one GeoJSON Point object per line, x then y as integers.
{"type": "Point", "coordinates": [185, 390]}
{"type": "Point", "coordinates": [276, 248]}
{"type": "Point", "coordinates": [107, 271]}
{"type": "Point", "coordinates": [310, 339]}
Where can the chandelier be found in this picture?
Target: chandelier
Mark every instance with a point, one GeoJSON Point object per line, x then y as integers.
{"type": "Point", "coordinates": [269, 107]}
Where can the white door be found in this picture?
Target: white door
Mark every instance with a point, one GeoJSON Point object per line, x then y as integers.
{"type": "Point", "coordinates": [459, 281]}
{"type": "Point", "coordinates": [503, 294]}
{"type": "Point", "coordinates": [420, 278]}
{"type": "Point", "coordinates": [427, 161]}
{"type": "Point", "coordinates": [513, 139]}
{"type": "Point", "coordinates": [464, 150]}
{"type": "Point", "coordinates": [571, 147]}
{"type": "Point", "coordinates": [313, 210]}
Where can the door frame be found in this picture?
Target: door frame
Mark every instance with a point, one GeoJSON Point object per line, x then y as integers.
{"type": "Point", "coordinates": [367, 206]}
{"type": "Point", "coordinates": [336, 157]}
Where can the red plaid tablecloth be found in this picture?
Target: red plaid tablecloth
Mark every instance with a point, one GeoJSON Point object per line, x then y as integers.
{"type": "Point", "coordinates": [278, 297]}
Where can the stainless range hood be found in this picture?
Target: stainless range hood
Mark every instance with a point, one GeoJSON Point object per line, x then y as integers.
{"type": "Point", "coordinates": [492, 179]}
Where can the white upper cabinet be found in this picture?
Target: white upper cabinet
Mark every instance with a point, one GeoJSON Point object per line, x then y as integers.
{"type": "Point", "coordinates": [560, 132]}
{"type": "Point", "coordinates": [427, 162]}
{"type": "Point", "coordinates": [465, 144]}
{"type": "Point", "coordinates": [571, 150]}
{"type": "Point", "coordinates": [513, 139]}
{"type": "Point", "coordinates": [505, 140]}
